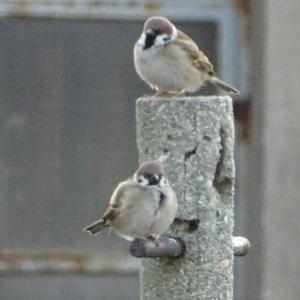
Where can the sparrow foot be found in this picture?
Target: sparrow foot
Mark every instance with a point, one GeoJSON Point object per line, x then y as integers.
{"type": "Point", "coordinates": [159, 93]}
{"type": "Point", "coordinates": [154, 240]}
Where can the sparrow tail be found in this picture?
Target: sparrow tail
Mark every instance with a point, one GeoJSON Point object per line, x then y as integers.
{"type": "Point", "coordinates": [96, 227]}
{"type": "Point", "coordinates": [224, 86]}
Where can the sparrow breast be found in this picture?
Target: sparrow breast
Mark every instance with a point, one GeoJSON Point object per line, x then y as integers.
{"type": "Point", "coordinates": [167, 68]}
{"type": "Point", "coordinates": [145, 212]}
{"type": "Point", "coordinates": [166, 211]}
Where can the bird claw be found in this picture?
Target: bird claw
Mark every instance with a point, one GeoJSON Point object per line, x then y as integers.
{"type": "Point", "coordinates": [159, 93]}
{"type": "Point", "coordinates": [154, 240]}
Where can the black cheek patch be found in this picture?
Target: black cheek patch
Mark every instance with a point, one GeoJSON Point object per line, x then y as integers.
{"type": "Point", "coordinates": [149, 41]}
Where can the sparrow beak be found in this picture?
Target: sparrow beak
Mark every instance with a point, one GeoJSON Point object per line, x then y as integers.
{"type": "Point", "coordinates": [150, 37]}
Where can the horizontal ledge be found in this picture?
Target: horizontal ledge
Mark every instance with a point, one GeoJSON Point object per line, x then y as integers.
{"type": "Point", "coordinates": [183, 99]}
{"type": "Point", "coordinates": [38, 263]}
{"type": "Point", "coordinates": [97, 9]}
{"type": "Point", "coordinates": [173, 247]}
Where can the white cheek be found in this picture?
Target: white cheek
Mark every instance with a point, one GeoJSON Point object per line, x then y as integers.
{"type": "Point", "coordinates": [164, 39]}
{"type": "Point", "coordinates": [141, 40]}
{"type": "Point", "coordinates": [161, 40]}
{"type": "Point", "coordinates": [141, 180]}
{"type": "Point", "coordinates": [163, 182]}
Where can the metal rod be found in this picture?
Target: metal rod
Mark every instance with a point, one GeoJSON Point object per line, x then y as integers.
{"type": "Point", "coordinates": [241, 246]}
{"type": "Point", "coordinates": [170, 247]}
{"type": "Point", "coordinates": [64, 263]}
{"type": "Point", "coordinates": [173, 247]}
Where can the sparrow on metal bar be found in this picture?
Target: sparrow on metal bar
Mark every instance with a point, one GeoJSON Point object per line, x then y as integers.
{"type": "Point", "coordinates": [170, 61]}
{"type": "Point", "coordinates": [143, 206]}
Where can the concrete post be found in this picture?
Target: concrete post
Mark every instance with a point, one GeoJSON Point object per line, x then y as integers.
{"type": "Point", "coordinates": [194, 137]}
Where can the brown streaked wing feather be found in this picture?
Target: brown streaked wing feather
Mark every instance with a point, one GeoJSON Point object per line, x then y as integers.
{"type": "Point", "coordinates": [109, 214]}
{"type": "Point", "coordinates": [115, 202]}
{"type": "Point", "coordinates": [199, 59]}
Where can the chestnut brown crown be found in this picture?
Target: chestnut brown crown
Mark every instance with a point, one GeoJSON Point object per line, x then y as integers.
{"type": "Point", "coordinates": [160, 25]}
{"type": "Point", "coordinates": [150, 168]}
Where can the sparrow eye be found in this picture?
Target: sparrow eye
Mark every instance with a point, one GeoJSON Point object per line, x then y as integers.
{"type": "Point", "coordinates": [156, 177]}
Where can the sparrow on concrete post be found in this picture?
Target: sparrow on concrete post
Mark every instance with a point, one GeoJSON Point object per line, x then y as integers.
{"type": "Point", "coordinates": [170, 61]}
{"type": "Point", "coordinates": [143, 206]}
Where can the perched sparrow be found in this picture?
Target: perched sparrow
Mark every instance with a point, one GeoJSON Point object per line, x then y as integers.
{"type": "Point", "coordinates": [170, 61]}
{"type": "Point", "coordinates": [141, 207]}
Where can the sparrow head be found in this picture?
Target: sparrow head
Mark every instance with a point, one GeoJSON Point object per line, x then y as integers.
{"type": "Point", "coordinates": [150, 173]}
{"type": "Point", "coordinates": [158, 31]}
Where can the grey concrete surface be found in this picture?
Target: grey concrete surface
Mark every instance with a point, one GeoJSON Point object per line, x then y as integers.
{"type": "Point", "coordinates": [194, 137]}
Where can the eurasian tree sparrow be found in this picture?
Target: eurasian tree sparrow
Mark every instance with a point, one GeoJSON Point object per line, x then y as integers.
{"type": "Point", "coordinates": [143, 206]}
{"type": "Point", "coordinates": [170, 61]}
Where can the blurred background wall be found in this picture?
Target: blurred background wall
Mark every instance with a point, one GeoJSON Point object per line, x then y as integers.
{"type": "Point", "coordinates": [273, 194]}
{"type": "Point", "coordinates": [67, 137]}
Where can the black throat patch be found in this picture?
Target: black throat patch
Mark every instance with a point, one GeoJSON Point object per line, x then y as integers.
{"type": "Point", "coordinates": [162, 197]}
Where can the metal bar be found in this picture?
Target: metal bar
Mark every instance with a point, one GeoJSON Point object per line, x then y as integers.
{"type": "Point", "coordinates": [241, 246]}
{"type": "Point", "coordinates": [47, 263]}
{"type": "Point", "coordinates": [170, 247]}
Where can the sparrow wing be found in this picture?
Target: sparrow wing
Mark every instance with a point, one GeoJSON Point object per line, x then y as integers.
{"type": "Point", "coordinates": [201, 62]}
{"type": "Point", "coordinates": [100, 224]}
{"type": "Point", "coordinates": [116, 198]}
{"type": "Point", "coordinates": [199, 59]}
{"type": "Point", "coordinates": [115, 202]}
{"type": "Point", "coordinates": [111, 212]}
